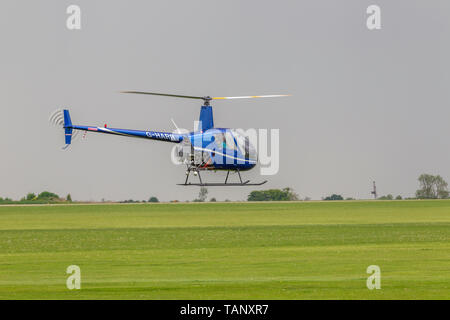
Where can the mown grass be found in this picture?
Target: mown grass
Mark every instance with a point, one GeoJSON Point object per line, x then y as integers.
{"type": "Point", "coordinates": [301, 250]}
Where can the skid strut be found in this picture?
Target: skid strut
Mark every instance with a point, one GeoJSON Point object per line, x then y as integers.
{"type": "Point", "coordinates": [225, 184]}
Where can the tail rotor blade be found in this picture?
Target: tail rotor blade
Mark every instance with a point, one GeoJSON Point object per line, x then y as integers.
{"type": "Point", "coordinates": [57, 118]}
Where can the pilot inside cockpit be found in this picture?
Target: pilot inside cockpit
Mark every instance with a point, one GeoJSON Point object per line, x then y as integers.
{"type": "Point", "coordinates": [219, 138]}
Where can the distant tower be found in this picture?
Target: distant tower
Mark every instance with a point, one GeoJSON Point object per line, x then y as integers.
{"type": "Point", "coordinates": [374, 191]}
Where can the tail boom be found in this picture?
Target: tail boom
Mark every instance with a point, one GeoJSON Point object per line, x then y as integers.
{"type": "Point", "coordinates": [153, 135]}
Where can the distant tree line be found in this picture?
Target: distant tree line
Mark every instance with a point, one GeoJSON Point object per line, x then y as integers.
{"type": "Point", "coordinates": [334, 197]}
{"type": "Point", "coordinates": [389, 197]}
{"type": "Point", "coordinates": [152, 199]}
{"type": "Point", "coordinates": [43, 197]}
{"type": "Point", "coordinates": [430, 187]}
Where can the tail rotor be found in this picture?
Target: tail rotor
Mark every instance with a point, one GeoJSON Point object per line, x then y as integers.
{"type": "Point", "coordinates": [61, 118]}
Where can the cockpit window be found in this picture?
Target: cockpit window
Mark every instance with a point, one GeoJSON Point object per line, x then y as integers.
{"type": "Point", "coordinates": [230, 141]}
{"type": "Point", "coordinates": [225, 140]}
{"type": "Point", "coordinates": [244, 144]}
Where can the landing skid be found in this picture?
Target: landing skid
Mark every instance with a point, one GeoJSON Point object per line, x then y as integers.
{"type": "Point", "coordinates": [225, 184]}
{"type": "Point", "coordinates": [232, 184]}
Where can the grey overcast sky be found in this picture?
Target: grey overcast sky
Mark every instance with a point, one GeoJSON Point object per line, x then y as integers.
{"type": "Point", "coordinates": [366, 105]}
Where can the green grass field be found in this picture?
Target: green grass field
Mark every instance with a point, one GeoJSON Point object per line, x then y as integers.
{"type": "Point", "coordinates": [299, 250]}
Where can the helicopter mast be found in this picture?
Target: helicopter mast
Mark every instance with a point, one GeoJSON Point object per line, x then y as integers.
{"type": "Point", "coordinates": [206, 115]}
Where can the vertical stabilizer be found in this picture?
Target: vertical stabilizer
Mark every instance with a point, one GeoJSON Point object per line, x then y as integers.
{"type": "Point", "coordinates": [67, 126]}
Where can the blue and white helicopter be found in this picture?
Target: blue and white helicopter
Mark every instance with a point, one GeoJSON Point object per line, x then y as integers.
{"type": "Point", "coordinates": [207, 148]}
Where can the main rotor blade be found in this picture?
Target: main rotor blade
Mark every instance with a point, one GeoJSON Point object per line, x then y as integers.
{"type": "Point", "coordinates": [249, 97]}
{"type": "Point", "coordinates": [206, 98]}
{"type": "Point", "coordinates": [163, 94]}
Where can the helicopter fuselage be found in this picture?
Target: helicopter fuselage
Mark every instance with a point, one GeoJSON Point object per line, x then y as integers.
{"type": "Point", "coordinates": [218, 149]}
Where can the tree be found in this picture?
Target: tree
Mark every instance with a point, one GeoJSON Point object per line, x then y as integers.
{"type": "Point", "coordinates": [130, 201]}
{"type": "Point", "coordinates": [45, 195]}
{"type": "Point", "coordinates": [213, 200]}
{"type": "Point", "coordinates": [291, 195]}
{"type": "Point", "coordinates": [153, 199]}
{"type": "Point", "coordinates": [203, 193]}
{"type": "Point", "coordinates": [286, 194]}
{"type": "Point", "coordinates": [399, 197]}
{"type": "Point", "coordinates": [334, 197]}
{"type": "Point", "coordinates": [432, 187]}
{"type": "Point", "coordinates": [388, 197]}
{"type": "Point", "coordinates": [30, 196]}
{"type": "Point", "coordinates": [69, 198]}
